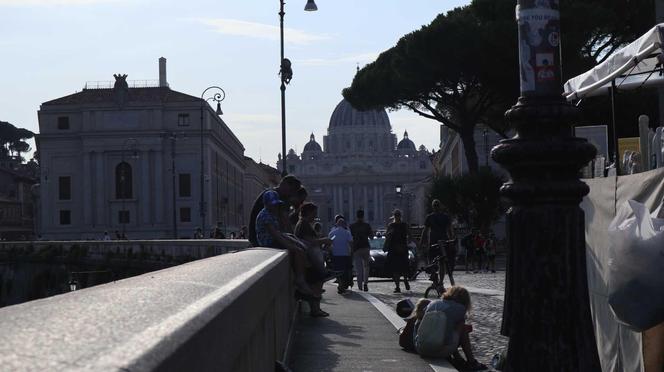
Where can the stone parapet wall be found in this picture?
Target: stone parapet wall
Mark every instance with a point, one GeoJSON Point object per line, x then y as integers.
{"type": "Point", "coordinates": [226, 313]}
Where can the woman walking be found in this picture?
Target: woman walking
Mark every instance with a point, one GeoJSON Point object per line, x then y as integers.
{"type": "Point", "coordinates": [396, 245]}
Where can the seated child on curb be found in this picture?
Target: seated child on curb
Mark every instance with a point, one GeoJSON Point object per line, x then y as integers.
{"type": "Point", "coordinates": [407, 334]}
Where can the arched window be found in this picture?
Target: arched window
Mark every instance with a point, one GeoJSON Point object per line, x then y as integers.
{"type": "Point", "coordinates": [123, 181]}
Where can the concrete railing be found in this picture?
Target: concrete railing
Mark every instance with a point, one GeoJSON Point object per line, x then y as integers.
{"type": "Point", "coordinates": [149, 249]}
{"type": "Point", "coordinates": [227, 313]}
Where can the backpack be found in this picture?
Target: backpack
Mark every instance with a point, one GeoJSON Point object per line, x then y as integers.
{"type": "Point", "coordinates": [430, 338]}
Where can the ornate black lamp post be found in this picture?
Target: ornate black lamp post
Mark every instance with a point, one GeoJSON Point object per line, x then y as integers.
{"type": "Point", "coordinates": [286, 74]}
{"type": "Point", "coordinates": [217, 96]}
{"type": "Point", "coordinates": [547, 310]}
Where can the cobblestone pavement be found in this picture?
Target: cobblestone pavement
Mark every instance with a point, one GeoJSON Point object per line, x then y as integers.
{"type": "Point", "coordinates": [485, 316]}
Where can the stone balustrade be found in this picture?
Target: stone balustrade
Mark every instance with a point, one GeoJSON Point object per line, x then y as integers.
{"type": "Point", "coordinates": [231, 312]}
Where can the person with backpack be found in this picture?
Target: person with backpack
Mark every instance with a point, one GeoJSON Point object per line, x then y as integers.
{"type": "Point", "coordinates": [407, 333]}
{"type": "Point", "coordinates": [442, 330]}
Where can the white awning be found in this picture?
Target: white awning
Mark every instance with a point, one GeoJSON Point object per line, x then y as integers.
{"type": "Point", "coordinates": [631, 67]}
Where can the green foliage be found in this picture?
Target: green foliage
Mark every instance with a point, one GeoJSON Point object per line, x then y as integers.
{"type": "Point", "coordinates": [454, 70]}
{"type": "Point", "coordinates": [12, 140]}
{"type": "Point", "coordinates": [473, 198]}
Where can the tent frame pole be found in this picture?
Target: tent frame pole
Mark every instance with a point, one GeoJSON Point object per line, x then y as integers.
{"type": "Point", "coordinates": [616, 155]}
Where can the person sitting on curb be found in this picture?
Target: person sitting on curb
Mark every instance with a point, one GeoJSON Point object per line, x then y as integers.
{"type": "Point", "coordinates": [408, 332]}
{"type": "Point", "coordinates": [442, 330]}
{"type": "Point", "coordinates": [269, 235]}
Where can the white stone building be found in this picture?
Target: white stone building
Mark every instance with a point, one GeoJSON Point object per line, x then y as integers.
{"type": "Point", "coordinates": [361, 166]}
{"type": "Point", "coordinates": [107, 155]}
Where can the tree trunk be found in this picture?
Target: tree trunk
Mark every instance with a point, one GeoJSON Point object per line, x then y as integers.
{"type": "Point", "coordinates": [468, 139]}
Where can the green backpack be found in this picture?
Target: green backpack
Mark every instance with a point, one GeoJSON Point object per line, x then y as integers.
{"type": "Point", "coordinates": [430, 338]}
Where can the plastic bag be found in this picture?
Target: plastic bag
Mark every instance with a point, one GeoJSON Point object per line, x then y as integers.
{"type": "Point", "coordinates": [636, 265]}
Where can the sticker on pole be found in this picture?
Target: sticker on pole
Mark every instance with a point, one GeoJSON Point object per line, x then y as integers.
{"type": "Point", "coordinates": [544, 67]}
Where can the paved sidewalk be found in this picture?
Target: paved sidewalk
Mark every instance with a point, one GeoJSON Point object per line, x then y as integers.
{"type": "Point", "coordinates": [356, 337]}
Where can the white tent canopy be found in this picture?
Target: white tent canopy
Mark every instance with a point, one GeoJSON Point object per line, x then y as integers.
{"type": "Point", "coordinates": [631, 67]}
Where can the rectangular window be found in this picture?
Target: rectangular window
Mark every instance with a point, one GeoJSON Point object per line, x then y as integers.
{"type": "Point", "coordinates": [183, 120]}
{"type": "Point", "coordinates": [185, 214]}
{"type": "Point", "coordinates": [123, 217]}
{"type": "Point", "coordinates": [185, 185]}
{"type": "Point", "coordinates": [65, 217]}
{"type": "Point", "coordinates": [64, 188]}
{"type": "Point", "coordinates": [63, 122]}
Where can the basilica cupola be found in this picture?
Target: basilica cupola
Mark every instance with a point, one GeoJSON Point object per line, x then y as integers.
{"type": "Point", "coordinates": [406, 144]}
{"type": "Point", "coordinates": [312, 145]}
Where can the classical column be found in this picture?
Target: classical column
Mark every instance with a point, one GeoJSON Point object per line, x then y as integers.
{"type": "Point", "coordinates": [350, 203]}
{"type": "Point", "coordinates": [365, 204]}
{"type": "Point", "coordinates": [144, 201]}
{"type": "Point", "coordinates": [88, 219]}
{"type": "Point", "coordinates": [159, 182]}
{"type": "Point", "coordinates": [547, 310]}
{"type": "Point", "coordinates": [102, 193]}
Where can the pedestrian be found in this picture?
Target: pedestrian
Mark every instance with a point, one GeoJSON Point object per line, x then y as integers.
{"type": "Point", "coordinates": [198, 233]}
{"type": "Point", "coordinates": [243, 233]}
{"type": "Point", "coordinates": [455, 305]}
{"type": "Point", "coordinates": [490, 250]}
{"type": "Point", "coordinates": [479, 251]}
{"type": "Point", "coordinates": [269, 235]}
{"type": "Point", "coordinates": [304, 230]}
{"type": "Point", "coordinates": [217, 232]}
{"type": "Point", "coordinates": [118, 236]}
{"type": "Point", "coordinates": [106, 236]}
{"type": "Point", "coordinates": [341, 254]}
{"type": "Point", "coordinates": [396, 246]}
{"type": "Point", "coordinates": [287, 188]}
{"type": "Point", "coordinates": [437, 232]}
{"type": "Point", "coordinates": [232, 235]}
{"type": "Point", "coordinates": [361, 232]}
{"type": "Point", "coordinates": [468, 243]}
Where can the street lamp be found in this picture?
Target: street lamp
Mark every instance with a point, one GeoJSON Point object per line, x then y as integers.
{"type": "Point", "coordinates": [126, 145]}
{"type": "Point", "coordinates": [286, 74]}
{"type": "Point", "coordinates": [217, 96]}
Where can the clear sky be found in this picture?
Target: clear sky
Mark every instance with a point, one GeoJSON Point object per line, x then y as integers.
{"type": "Point", "coordinates": [50, 48]}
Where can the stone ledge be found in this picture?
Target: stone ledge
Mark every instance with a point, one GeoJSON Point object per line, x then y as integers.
{"type": "Point", "coordinates": [229, 312]}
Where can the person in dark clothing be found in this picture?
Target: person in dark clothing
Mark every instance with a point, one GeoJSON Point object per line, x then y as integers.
{"type": "Point", "coordinates": [305, 231]}
{"type": "Point", "coordinates": [287, 189]}
{"type": "Point", "coordinates": [361, 232]}
{"type": "Point", "coordinates": [438, 230]}
{"type": "Point", "coordinates": [396, 242]}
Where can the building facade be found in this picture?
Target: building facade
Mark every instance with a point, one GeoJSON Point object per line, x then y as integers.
{"type": "Point", "coordinates": [362, 166]}
{"type": "Point", "coordinates": [17, 207]}
{"type": "Point", "coordinates": [127, 158]}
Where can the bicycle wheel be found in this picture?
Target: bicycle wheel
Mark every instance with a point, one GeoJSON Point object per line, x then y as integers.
{"type": "Point", "coordinates": [432, 292]}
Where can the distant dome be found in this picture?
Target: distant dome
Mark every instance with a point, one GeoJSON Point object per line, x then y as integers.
{"type": "Point", "coordinates": [312, 146]}
{"type": "Point", "coordinates": [406, 144]}
{"type": "Point", "coordinates": [345, 115]}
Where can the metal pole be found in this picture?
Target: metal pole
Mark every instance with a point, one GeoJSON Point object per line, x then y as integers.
{"type": "Point", "coordinates": [175, 222]}
{"type": "Point", "coordinates": [616, 153]}
{"type": "Point", "coordinates": [202, 176]}
{"type": "Point", "coordinates": [284, 171]}
{"type": "Point", "coordinates": [546, 312]}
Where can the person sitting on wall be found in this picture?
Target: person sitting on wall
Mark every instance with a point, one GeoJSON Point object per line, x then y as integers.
{"type": "Point", "coordinates": [270, 235]}
{"type": "Point", "coordinates": [287, 189]}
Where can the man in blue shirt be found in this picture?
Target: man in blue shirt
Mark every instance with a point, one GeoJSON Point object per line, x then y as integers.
{"type": "Point", "coordinates": [341, 254]}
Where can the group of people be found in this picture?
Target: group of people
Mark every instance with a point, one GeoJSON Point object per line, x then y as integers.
{"type": "Point", "coordinates": [480, 252]}
{"type": "Point", "coordinates": [438, 328]}
{"type": "Point", "coordinates": [217, 232]}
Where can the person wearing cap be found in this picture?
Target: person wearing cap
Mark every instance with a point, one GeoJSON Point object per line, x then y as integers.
{"type": "Point", "coordinates": [287, 189]}
{"type": "Point", "coordinates": [269, 234]}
